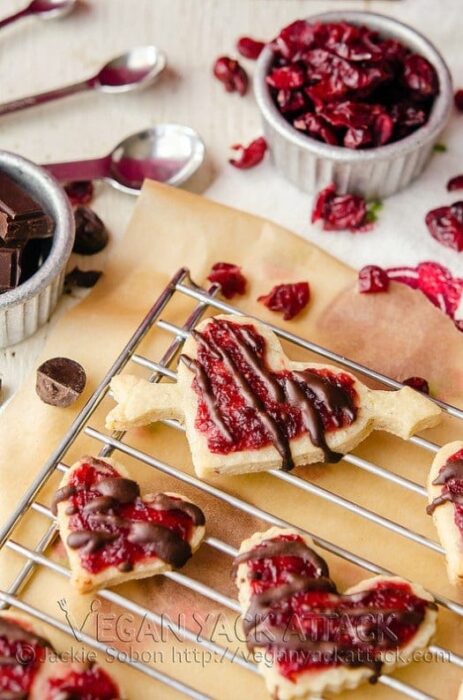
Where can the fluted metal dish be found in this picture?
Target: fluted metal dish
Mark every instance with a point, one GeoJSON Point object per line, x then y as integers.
{"type": "Point", "coordinates": [374, 172]}
{"type": "Point", "coordinates": [24, 309]}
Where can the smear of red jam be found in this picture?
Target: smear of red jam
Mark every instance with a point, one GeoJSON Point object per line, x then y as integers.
{"type": "Point", "coordinates": [26, 656]}
{"type": "Point", "coordinates": [120, 551]}
{"type": "Point", "coordinates": [455, 486]}
{"type": "Point", "coordinates": [242, 421]}
{"type": "Point", "coordinates": [324, 616]}
{"type": "Point", "coordinates": [91, 684]}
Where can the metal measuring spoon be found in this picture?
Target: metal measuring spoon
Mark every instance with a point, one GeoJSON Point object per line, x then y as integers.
{"type": "Point", "coordinates": [45, 9]}
{"type": "Point", "coordinates": [168, 153]}
{"type": "Point", "coordinates": [133, 70]}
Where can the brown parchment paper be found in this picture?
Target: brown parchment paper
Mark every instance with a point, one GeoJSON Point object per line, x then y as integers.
{"type": "Point", "coordinates": [399, 333]}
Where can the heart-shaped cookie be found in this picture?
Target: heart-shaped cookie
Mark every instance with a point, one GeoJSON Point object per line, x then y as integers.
{"type": "Point", "coordinates": [113, 534]}
{"type": "Point", "coordinates": [311, 639]}
{"type": "Point", "coordinates": [31, 670]}
{"type": "Point", "coordinates": [445, 493]}
{"type": "Point", "coordinates": [248, 408]}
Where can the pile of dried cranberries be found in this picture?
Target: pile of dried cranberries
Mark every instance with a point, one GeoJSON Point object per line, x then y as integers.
{"type": "Point", "coordinates": [347, 85]}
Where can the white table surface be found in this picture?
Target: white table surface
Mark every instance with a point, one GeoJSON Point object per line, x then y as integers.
{"type": "Point", "coordinates": [39, 55]}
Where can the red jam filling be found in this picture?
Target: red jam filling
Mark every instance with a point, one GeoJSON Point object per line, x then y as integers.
{"type": "Point", "coordinates": [455, 486]}
{"type": "Point", "coordinates": [321, 616]}
{"type": "Point", "coordinates": [20, 660]}
{"type": "Point", "coordinates": [120, 551]}
{"type": "Point", "coordinates": [241, 419]}
{"type": "Point", "coordinates": [91, 684]}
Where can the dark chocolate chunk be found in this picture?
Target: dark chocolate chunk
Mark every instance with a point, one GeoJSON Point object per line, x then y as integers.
{"type": "Point", "coordinates": [21, 217]}
{"type": "Point", "coordinates": [10, 270]}
{"type": "Point", "coordinates": [60, 381]}
{"type": "Point", "coordinates": [91, 233]}
{"type": "Point", "coordinates": [81, 278]}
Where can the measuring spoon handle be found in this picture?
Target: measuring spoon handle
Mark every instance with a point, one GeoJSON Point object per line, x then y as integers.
{"type": "Point", "coordinates": [41, 98]}
{"type": "Point", "coordinates": [13, 18]}
{"type": "Point", "coordinates": [94, 169]}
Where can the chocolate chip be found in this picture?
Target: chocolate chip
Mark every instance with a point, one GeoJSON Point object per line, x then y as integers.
{"type": "Point", "coordinates": [81, 278]}
{"type": "Point", "coordinates": [91, 233]}
{"type": "Point", "coordinates": [60, 381]}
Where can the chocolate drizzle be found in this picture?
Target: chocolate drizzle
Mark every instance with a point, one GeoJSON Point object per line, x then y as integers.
{"type": "Point", "coordinates": [307, 391]}
{"type": "Point", "coordinates": [264, 628]}
{"type": "Point", "coordinates": [101, 513]}
{"type": "Point", "coordinates": [206, 388]}
{"type": "Point", "coordinates": [15, 632]}
{"type": "Point", "coordinates": [283, 548]}
{"type": "Point", "coordinates": [167, 545]}
{"type": "Point", "coordinates": [89, 541]}
{"type": "Point", "coordinates": [119, 489]}
{"type": "Point", "coordinates": [164, 502]}
{"type": "Point", "coordinates": [62, 494]}
{"type": "Point", "coordinates": [451, 471]}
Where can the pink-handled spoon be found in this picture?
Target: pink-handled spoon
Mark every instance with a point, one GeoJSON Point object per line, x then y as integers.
{"type": "Point", "coordinates": [168, 153]}
{"type": "Point", "coordinates": [45, 9]}
{"type": "Point", "coordinates": [133, 70]}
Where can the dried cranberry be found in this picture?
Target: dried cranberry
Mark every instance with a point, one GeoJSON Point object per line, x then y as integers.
{"type": "Point", "coordinates": [249, 48]}
{"type": "Point", "coordinates": [291, 101]}
{"type": "Point", "coordinates": [435, 281]}
{"type": "Point", "coordinates": [250, 155]}
{"type": "Point", "coordinates": [231, 74]}
{"type": "Point", "coordinates": [288, 298]}
{"type": "Point", "coordinates": [420, 76]}
{"type": "Point", "coordinates": [351, 114]}
{"type": "Point", "coordinates": [316, 126]}
{"type": "Point", "coordinates": [417, 383]}
{"type": "Point", "coordinates": [383, 129]}
{"type": "Point", "coordinates": [459, 325]}
{"type": "Point", "coordinates": [79, 192]}
{"type": "Point", "coordinates": [286, 78]}
{"type": "Point", "coordinates": [445, 224]}
{"type": "Point", "coordinates": [373, 279]}
{"type": "Point", "coordinates": [358, 138]}
{"type": "Point", "coordinates": [407, 117]}
{"type": "Point", "coordinates": [230, 278]}
{"type": "Point", "coordinates": [340, 212]}
{"type": "Point", "coordinates": [294, 38]}
{"type": "Point", "coordinates": [388, 90]}
{"type": "Point", "coordinates": [458, 99]}
{"type": "Point", "coordinates": [455, 183]}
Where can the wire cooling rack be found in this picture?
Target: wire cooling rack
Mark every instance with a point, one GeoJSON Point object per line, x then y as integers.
{"type": "Point", "coordinates": [35, 558]}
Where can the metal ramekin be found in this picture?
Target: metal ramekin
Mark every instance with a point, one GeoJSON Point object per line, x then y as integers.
{"type": "Point", "coordinates": [376, 172]}
{"type": "Point", "coordinates": [24, 309]}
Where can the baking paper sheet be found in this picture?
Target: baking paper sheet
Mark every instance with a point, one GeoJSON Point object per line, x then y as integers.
{"type": "Point", "coordinates": [398, 333]}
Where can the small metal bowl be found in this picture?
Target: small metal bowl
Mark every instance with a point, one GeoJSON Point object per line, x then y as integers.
{"type": "Point", "coordinates": [375, 172]}
{"type": "Point", "coordinates": [24, 309]}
